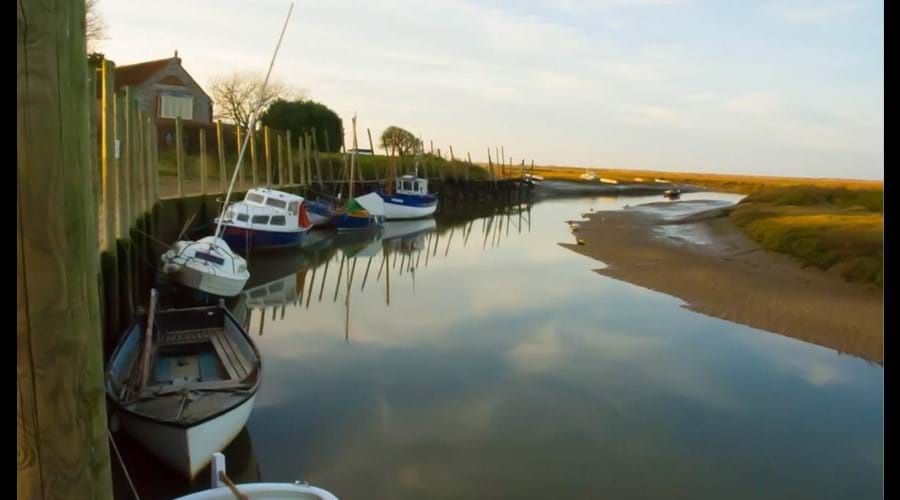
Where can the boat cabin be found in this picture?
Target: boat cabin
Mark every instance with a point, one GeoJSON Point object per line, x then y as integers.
{"type": "Point", "coordinates": [410, 184]}
{"type": "Point", "coordinates": [267, 209]}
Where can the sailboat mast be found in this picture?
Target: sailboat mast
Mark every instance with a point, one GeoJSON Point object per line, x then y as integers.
{"type": "Point", "coordinates": [252, 123]}
{"type": "Point", "coordinates": [352, 159]}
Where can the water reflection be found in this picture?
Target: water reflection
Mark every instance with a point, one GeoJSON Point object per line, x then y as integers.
{"type": "Point", "coordinates": [478, 358]}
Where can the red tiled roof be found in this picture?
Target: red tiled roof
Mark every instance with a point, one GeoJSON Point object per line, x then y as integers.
{"type": "Point", "coordinates": [136, 74]}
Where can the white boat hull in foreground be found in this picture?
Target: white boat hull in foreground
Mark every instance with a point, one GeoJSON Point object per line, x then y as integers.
{"type": "Point", "coordinates": [208, 265]}
{"type": "Point", "coordinates": [258, 491]}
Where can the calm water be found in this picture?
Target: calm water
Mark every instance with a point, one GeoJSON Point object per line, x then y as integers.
{"type": "Point", "coordinates": [480, 359]}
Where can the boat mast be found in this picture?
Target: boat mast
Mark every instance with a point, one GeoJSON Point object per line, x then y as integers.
{"type": "Point", "coordinates": [252, 123]}
{"type": "Point", "coordinates": [352, 160]}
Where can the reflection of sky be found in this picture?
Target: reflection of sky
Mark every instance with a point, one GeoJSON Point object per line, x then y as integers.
{"type": "Point", "coordinates": [514, 371]}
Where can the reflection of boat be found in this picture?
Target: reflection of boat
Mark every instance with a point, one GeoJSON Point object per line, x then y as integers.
{"type": "Point", "coordinates": [187, 390]}
{"type": "Point", "coordinates": [222, 488]}
{"type": "Point", "coordinates": [672, 194]}
{"type": "Point", "coordinates": [277, 292]}
{"type": "Point", "coordinates": [401, 229]}
{"type": "Point", "coordinates": [358, 244]}
{"type": "Point", "coordinates": [409, 198]}
{"type": "Point", "coordinates": [267, 218]}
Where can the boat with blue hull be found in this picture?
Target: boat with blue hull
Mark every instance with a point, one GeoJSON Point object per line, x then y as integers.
{"type": "Point", "coordinates": [321, 212]}
{"type": "Point", "coordinates": [266, 219]}
{"type": "Point", "coordinates": [409, 199]}
{"type": "Point", "coordinates": [363, 213]}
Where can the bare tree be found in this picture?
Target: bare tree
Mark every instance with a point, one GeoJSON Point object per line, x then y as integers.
{"type": "Point", "coordinates": [94, 26]}
{"type": "Point", "coordinates": [236, 95]}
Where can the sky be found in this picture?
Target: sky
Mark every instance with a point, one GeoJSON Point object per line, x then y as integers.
{"type": "Point", "coordinates": [756, 87]}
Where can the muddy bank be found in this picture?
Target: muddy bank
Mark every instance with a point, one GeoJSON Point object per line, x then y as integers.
{"type": "Point", "coordinates": [690, 250]}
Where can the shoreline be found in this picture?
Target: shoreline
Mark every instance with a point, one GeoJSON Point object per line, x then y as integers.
{"type": "Point", "coordinates": [692, 251]}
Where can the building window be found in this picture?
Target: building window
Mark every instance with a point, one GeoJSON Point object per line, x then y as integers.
{"type": "Point", "coordinates": [171, 106]}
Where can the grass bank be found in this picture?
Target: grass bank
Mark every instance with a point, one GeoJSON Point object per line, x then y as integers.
{"type": "Point", "coordinates": [832, 228]}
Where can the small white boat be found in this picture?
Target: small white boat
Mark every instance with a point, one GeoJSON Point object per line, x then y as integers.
{"type": "Point", "coordinates": [588, 175]}
{"type": "Point", "coordinates": [223, 489]}
{"type": "Point", "coordinates": [184, 384]}
{"type": "Point", "coordinates": [533, 179]}
{"type": "Point", "coordinates": [208, 265]}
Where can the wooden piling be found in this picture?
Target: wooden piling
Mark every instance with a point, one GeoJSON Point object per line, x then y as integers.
{"type": "Point", "coordinates": [109, 161]}
{"type": "Point", "coordinates": [203, 173]}
{"type": "Point", "coordinates": [253, 177]}
{"type": "Point", "coordinates": [290, 158]}
{"type": "Point", "coordinates": [61, 440]}
{"type": "Point", "coordinates": [220, 146]}
{"type": "Point", "coordinates": [280, 141]}
{"type": "Point", "coordinates": [179, 155]}
{"type": "Point", "coordinates": [267, 150]}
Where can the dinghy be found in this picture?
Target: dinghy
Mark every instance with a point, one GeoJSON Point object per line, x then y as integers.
{"type": "Point", "coordinates": [184, 383]}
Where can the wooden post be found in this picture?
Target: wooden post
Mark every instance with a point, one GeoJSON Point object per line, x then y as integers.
{"type": "Point", "coordinates": [315, 152]}
{"type": "Point", "coordinates": [252, 157]}
{"type": "Point", "coordinates": [237, 145]}
{"type": "Point", "coordinates": [220, 146]}
{"type": "Point", "coordinates": [202, 133]}
{"type": "Point", "coordinates": [109, 162]}
{"type": "Point", "coordinates": [121, 206]}
{"type": "Point", "coordinates": [154, 162]}
{"type": "Point", "coordinates": [328, 150]}
{"type": "Point", "coordinates": [469, 156]}
{"type": "Point", "coordinates": [61, 441]}
{"type": "Point", "coordinates": [141, 163]}
{"type": "Point", "coordinates": [503, 161]}
{"type": "Point", "coordinates": [301, 153]}
{"type": "Point", "coordinates": [290, 157]}
{"type": "Point", "coordinates": [267, 149]}
{"type": "Point", "coordinates": [280, 141]}
{"type": "Point", "coordinates": [179, 156]}
{"type": "Point", "coordinates": [432, 145]}
{"type": "Point", "coordinates": [374, 162]}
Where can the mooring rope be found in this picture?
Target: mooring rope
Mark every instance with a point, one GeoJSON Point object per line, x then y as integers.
{"type": "Point", "coordinates": [122, 463]}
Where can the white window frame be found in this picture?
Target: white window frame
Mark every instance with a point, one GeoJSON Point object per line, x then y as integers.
{"type": "Point", "coordinates": [173, 106]}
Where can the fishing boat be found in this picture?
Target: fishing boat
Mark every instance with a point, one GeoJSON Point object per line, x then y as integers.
{"type": "Point", "coordinates": [222, 488]}
{"type": "Point", "coordinates": [184, 383]}
{"type": "Point", "coordinates": [363, 213]}
{"type": "Point", "coordinates": [533, 179]}
{"type": "Point", "coordinates": [266, 219]}
{"type": "Point", "coordinates": [208, 265]}
{"type": "Point", "coordinates": [409, 198]}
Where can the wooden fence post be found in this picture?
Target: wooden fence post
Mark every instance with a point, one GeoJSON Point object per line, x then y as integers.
{"type": "Point", "coordinates": [61, 437]}
{"type": "Point", "coordinates": [253, 157]}
{"type": "Point", "coordinates": [202, 138]}
{"type": "Point", "coordinates": [220, 146]}
{"type": "Point", "coordinates": [179, 156]}
{"type": "Point", "coordinates": [267, 149]}
{"type": "Point", "coordinates": [290, 157]}
{"type": "Point", "coordinates": [109, 161]}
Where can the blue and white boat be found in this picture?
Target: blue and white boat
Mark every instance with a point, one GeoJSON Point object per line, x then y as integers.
{"type": "Point", "coordinates": [409, 199]}
{"type": "Point", "coordinates": [363, 213]}
{"type": "Point", "coordinates": [267, 218]}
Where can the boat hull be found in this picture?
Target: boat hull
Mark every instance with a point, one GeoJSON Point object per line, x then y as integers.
{"type": "Point", "coordinates": [347, 222]}
{"type": "Point", "coordinates": [241, 239]}
{"type": "Point", "coordinates": [188, 450]}
{"type": "Point", "coordinates": [220, 284]}
{"type": "Point", "coordinates": [405, 206]}
{"type": "Point", "coordinates": [320, 214]}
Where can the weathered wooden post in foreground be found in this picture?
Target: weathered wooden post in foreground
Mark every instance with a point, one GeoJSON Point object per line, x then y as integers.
{"type": "Point", "coordinates": [61, 441]}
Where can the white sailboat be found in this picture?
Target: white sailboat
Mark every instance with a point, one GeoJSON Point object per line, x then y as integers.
{"type": "Point", "coordinates": [209, 264]}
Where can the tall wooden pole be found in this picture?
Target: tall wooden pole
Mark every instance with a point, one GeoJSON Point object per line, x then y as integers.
{"type": "Point", "coordinates": [61, 440]}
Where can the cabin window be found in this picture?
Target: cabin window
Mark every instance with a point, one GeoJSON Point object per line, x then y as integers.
{"type": "Point", "coordinates": [171, 106]}
{"type": "Point", "coordinates": [242, 217]}
{"type": "Point", "coordinates": [260, 219]}
{"type": "Point", "coordinates": [274, 202]}
{"type": "Point", "coordinates": [208, 257]}
{"type": "Point", "coordinates": [277, 220]}
{"type": "Point", "coordinates": [407, 186]}
{"type": "Point", "coordinates": [255, 198]}
{"type": "Point", "coordinates": [293, 207]}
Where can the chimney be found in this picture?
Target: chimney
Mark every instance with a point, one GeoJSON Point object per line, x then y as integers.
{"type": "Point", "coordinates": [176, 56]}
